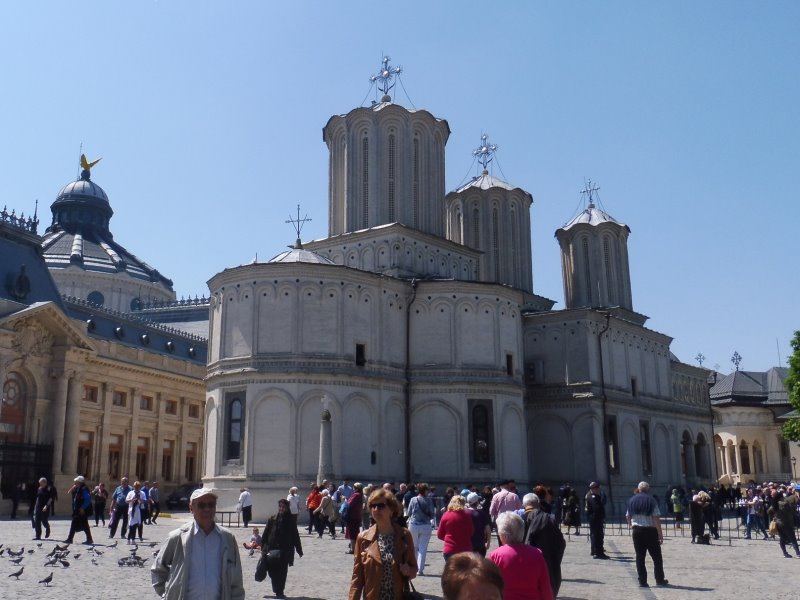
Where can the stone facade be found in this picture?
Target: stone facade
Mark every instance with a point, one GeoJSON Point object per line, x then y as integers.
{"type": "Point", "coordinates": [415, 327]}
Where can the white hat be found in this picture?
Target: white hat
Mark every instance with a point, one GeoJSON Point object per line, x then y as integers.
{"type": "Point", "coordinates": [199, 493]}
{"type": "Point", "coordinates": [79, 478]}
{"type": "Point", "coordinates": [473, 498]}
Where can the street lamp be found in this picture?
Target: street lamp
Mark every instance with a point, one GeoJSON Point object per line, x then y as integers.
{"type": "Point", "coordinates": [794, 462]}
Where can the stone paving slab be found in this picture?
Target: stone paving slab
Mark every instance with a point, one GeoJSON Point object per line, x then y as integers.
{"type": "Point", "coordinates": [727, 569]}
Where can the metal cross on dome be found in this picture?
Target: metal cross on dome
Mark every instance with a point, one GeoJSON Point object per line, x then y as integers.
{"type": "Point", "coordinates": [485, 152]}
{"type": "Point", "coordinates": [589, 190]}
{"type": "Point", "coordinates": [700, 358]}
{"type": "Point", "coordinates": [385, 77]}
{"type": "Point", "coordinates": [298, 225]}
{"type": "Point", "coordinates": [736, 359]}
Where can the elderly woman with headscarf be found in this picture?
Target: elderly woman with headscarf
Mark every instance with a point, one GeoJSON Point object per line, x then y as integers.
{"type": "Point", "coordinates": [384, 560]}
{"type": "Point", "coordinates": [523, 567]}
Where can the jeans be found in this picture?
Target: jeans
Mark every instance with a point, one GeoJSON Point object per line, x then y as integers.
{"type": "Point", "coordinates": [755, 521]}
{"type": "Point", "coordinates": [645, 539]}
{"type": "Point", "coordinates": [421, 534]}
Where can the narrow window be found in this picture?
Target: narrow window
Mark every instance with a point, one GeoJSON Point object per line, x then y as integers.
{"type": "Point", "coordinates": [361, 355]}
{"type": "Point", "coordinates": [90, 393]}
{"type": "Point", "coordinates": [373, 458]}
{"type": "Point", "coordinates": [482, 442]}
{"type": "Point", "coordinates": [634, 390]}
{"type": "Point", "coordinates": [234, 430]}
{"type": "Point", "coordinates": [495, 244]}
{"type": "Point", "coordinates": [365, 184]}
{"type": "Point", "coordinates": [166, 460]}
{"type": "Point", "coordinates": [509, 364]}
{"type": "Point", "coordinates": [391, 179]}
{"type": "Point", "coordinates": [587, 274]}
{"type": "Point", "coordinates": [610, 295]}
{"type": "Point", "coordinates": [612, 442]}
{"type": "Point", "coordinates": [142, 455]}
{"type": "Point", "coordinates": [85, 453]}
{"type": "Point", "coordinates": [190, 472]}
{"type": "Point", "coordinates": [476, 228]}
{"type": "Point", "coordinates": [119, 398]}
{"type": "Point", "coordinates": [415, 184]}
{"type": "Point", "coordinates": [644, 434]}
{"type": "Point", "coordinates": [114, 453]}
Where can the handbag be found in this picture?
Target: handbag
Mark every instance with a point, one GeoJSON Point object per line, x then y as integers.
{"type": "Point", "coordinates": [773, 528]}
{"type": "Point", "coordinates": [273, 558]}
{"type": "Point", "coordinates": [261, 569]}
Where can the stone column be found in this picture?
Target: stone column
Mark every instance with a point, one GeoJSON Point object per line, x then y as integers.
{"type": "Point", "coordinates": [72, 426]}
{"type": "Point", "coordinates": [325, 469]}
{"type": "Point", "coordinates": [738, 460]}
{"type": "Point", "coordinates": [105, 431]}
{"type": "Point", "coordinates": [59, 421]}
{"type": "Point", "coordinates": [134, 441]}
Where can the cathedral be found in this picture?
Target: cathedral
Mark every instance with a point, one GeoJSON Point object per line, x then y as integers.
{"type": "Point", "coordinates": [410, 345]}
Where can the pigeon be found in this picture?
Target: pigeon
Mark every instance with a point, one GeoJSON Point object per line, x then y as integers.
{"type": "Point", "coordinates": [16, 561]}
{"type": "Point", "coordinates": [114, 545]}
{"type": "Point", "coordinates": [17, 574]}
{"type": "Point", "coordinates": [46, 581]}
{"type": "Point", "coordinates": [20, 552]}
{"type": "Point", "coordinates": [97, 552]}
{"type": "Point", "coordinates": [51, 562]}
{"type": "Point", "coordinates": [2, 551]}
{"type": "Point", "coordinates": [38, 544]}
{"type": "Point", "coordinates": [64, 563]}
{"type": "Point", "coordinates": [252, 552]}
{"type": "Point", "coordinates": [94, 562]}
{"type": "Point", "coordinates": [31, 551]}
{"type": "Point", "coordinates": [1, 545]}
{"type": "Point", "coordinates": [153, 544]}
{"type": "Point", "coordinates": [76, 556]}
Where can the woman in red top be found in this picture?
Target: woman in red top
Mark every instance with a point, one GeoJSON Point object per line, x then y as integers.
{"type": "Point", "coordinates": [313, 500]}
{"type": "Point", "coordinates": [455, 528]}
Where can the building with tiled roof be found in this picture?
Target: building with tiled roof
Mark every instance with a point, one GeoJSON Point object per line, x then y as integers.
{"type": "Point", "coordinates": [749, 409]}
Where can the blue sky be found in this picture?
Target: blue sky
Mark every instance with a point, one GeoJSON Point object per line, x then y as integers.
{"type": "Point", "coordinates": [209, 120]}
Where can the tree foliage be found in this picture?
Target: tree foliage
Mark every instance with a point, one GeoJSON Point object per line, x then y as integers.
{"type": "Point", "coordinates": [791, 429]}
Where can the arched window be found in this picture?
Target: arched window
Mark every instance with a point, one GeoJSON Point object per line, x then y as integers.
{"type": "Point", "coordinates": [482, 449]}
{"type": "Point", "coordinates": [758, 458]}
{"type": "Point", "coordinates": [365, 183]}
{"type": "Point", "coordinates": [744, 453]}
{"type": "Point", "coordinates": [12, 409]}
{"type": "Point", "coordinates": [587, 272]}
{"type": "Point", "coordinates": [235, 422]}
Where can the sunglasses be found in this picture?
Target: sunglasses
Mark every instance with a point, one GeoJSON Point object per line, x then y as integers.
{"type": "Point", "coordinates": [203, 505]}
{"type": "Point", "coordinates": [378, 505]}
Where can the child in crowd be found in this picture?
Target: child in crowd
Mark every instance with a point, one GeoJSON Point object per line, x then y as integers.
{"type": "Point", "coordinates": [255, 541]}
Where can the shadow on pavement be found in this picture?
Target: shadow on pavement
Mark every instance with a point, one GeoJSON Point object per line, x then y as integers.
{"type": "Point", "coordinates": [583, 581]}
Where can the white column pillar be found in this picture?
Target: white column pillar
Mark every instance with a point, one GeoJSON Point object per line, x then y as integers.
{"type": "Point", "coordinates": [72, 426]}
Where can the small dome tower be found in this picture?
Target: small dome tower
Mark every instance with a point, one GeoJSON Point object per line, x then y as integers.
{"type": "Point", "coordinates": [594, 259]}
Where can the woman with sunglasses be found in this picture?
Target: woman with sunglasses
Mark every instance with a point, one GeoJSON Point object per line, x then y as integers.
{"type": "Point", "coordinates": [384, 559]}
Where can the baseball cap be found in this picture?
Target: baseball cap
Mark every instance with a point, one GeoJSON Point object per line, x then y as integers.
{"type": "Point", "coordinates": [199, 493]}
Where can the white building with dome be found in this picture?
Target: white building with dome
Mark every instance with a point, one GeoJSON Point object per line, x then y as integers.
{"type": "Point", "coordinates": [415, 324]}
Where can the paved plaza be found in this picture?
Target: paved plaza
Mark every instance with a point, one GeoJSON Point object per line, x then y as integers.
{"type": "Point", "coordinates": [728, 569]}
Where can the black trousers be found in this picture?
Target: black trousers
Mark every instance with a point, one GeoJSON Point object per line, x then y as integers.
{"type": "Point", "coordinates": [247, 514]}
{"type": "Point", "coordinates": [80, 522]}
{"type": "Point", "coordinates": [278, 576]}
{"type": "Point", "coordinates": [99, 513]}
{"type": "Point", "coordinates": [645, 539]}
{"type": "Point", "coordinates": [121, 514]}
{"type": "Point", "coordinates": [596, 535]}
{"type": "Point", "coordinates": [39, 519]}
{"type": "Point", "coordinates": [155, 511]}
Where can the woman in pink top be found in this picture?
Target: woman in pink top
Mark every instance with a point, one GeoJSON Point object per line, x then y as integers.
{"type": "Point", "coordinates": [455, 528]}
{"type": "Point", "coordinates": [523, 567]}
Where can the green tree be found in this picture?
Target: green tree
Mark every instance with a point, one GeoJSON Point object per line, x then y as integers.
{"type": "Point", "coordinates": [791, 429]}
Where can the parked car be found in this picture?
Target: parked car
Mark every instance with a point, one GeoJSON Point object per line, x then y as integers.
{"type": "Point", "coordinates": [180, 497]}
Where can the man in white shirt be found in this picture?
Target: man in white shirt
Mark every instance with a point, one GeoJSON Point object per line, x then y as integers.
{"type": "Point", "coordinates": [246, 504]}
{"type": "Point", "coordinates": [199, 560]}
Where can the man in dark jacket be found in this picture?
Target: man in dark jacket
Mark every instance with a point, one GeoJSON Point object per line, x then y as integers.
{"type": "Point", "coordinates": [596, 513]}
{"type": "Point", "coordinates": [81, 506]}
{"type": "Point", "coordinates": [542, 532]}
{"type": "Point", "coordinates": [280, 534]}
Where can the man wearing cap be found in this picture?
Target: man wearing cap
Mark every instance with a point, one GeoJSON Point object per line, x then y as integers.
{"type": "Point", "coordinates": [199, 560]}
{"type": "Point", "coordinates": [481, 525]}
{"type": "Point", "coordinates": [81, 505]}
{"type": "Point", "coordinates": [644, 517]}
{"type": "Point", "coordinates": [596, 513]}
